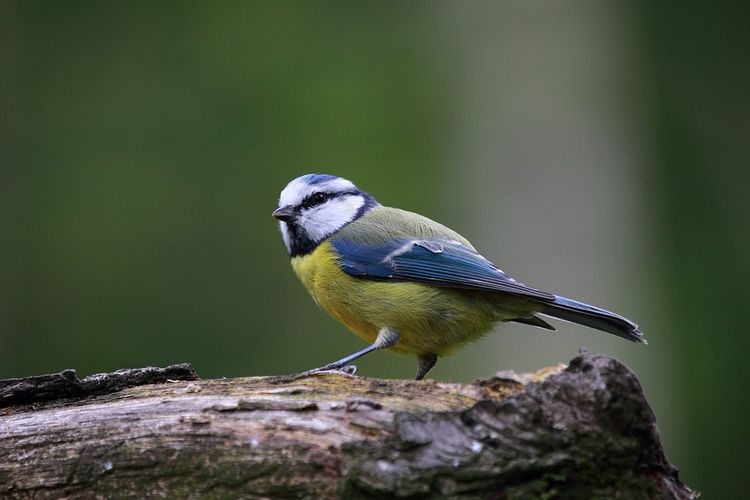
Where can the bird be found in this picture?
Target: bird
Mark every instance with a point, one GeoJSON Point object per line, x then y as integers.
{"type": "Point", "coordinates": [405, 283]}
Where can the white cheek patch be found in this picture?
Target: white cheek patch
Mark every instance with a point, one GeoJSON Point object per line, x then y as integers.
{"type": "Point", "coordinates": [285, 236]}
{"type": "Point", "coordinates": [320, 222]}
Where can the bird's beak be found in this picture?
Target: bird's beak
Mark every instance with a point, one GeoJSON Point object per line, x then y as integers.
{"type": "Point", "coordinates": [285, 214]}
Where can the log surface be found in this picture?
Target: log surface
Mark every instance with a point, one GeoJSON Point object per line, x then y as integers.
{"type": "Point", "coordinates": [581, 431]}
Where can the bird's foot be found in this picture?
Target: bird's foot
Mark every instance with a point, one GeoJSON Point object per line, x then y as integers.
{"type": "Point", "coordinates": [348, 369]}
{"type": "Point", "coordinates": [333, 368]}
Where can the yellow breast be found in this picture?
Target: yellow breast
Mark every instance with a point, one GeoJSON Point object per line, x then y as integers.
{"type": "Point", "coordinates": [336, 292]}
{"type": "Point", "coordinates": [429, 319]}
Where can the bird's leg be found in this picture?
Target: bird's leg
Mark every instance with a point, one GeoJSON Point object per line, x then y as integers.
{"type": "Point", "coordinates": [426, 362]}
{"type": "Point", "coordinates": [386, 338]}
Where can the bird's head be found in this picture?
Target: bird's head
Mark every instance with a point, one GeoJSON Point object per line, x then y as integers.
{"type": "Point", "coordinates": [314, 206]}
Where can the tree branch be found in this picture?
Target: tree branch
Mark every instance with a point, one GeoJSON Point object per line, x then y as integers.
{"type": "Point", "coordinates": [584, 430]}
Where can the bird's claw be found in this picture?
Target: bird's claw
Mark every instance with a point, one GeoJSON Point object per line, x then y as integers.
{"type": "Point", "coordinates": [348, 369]}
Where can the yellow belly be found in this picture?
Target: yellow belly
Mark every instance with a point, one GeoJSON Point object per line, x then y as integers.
{"type": "Point", "coordinates": [428, 319]}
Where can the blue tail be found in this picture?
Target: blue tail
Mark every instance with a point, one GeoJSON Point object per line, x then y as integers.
{"type": "Point", "coordinates": [593, 317]}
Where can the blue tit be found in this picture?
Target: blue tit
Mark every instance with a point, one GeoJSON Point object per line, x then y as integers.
{"type": "Point", "coordinates": [405, 283]}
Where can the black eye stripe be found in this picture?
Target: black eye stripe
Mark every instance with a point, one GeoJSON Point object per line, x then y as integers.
{"type": "Point", "coordinates": [319, 198]}
{"type": "Point", "coordinates": [314, 199]}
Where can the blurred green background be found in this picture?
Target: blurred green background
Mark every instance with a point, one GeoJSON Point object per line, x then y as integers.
{"type": "Point", "coordinates": [594, 149]}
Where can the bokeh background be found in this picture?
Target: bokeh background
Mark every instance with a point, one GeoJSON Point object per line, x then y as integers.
{"type": "Point", "coordinates": [595, 149]}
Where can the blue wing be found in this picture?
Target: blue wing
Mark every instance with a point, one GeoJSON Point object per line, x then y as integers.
{"type": "Point", "coordinates": [436, 262]}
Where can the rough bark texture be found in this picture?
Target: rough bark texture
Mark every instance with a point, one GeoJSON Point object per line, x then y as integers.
{"type": "Point", "coordinates": [581, 431]}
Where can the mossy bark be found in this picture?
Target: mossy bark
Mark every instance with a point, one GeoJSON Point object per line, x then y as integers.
{"type": "Point", "coordinates": [584, 430]}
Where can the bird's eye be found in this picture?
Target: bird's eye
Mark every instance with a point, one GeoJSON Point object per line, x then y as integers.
{"type": "Point", "coordinates": [318, 198]}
